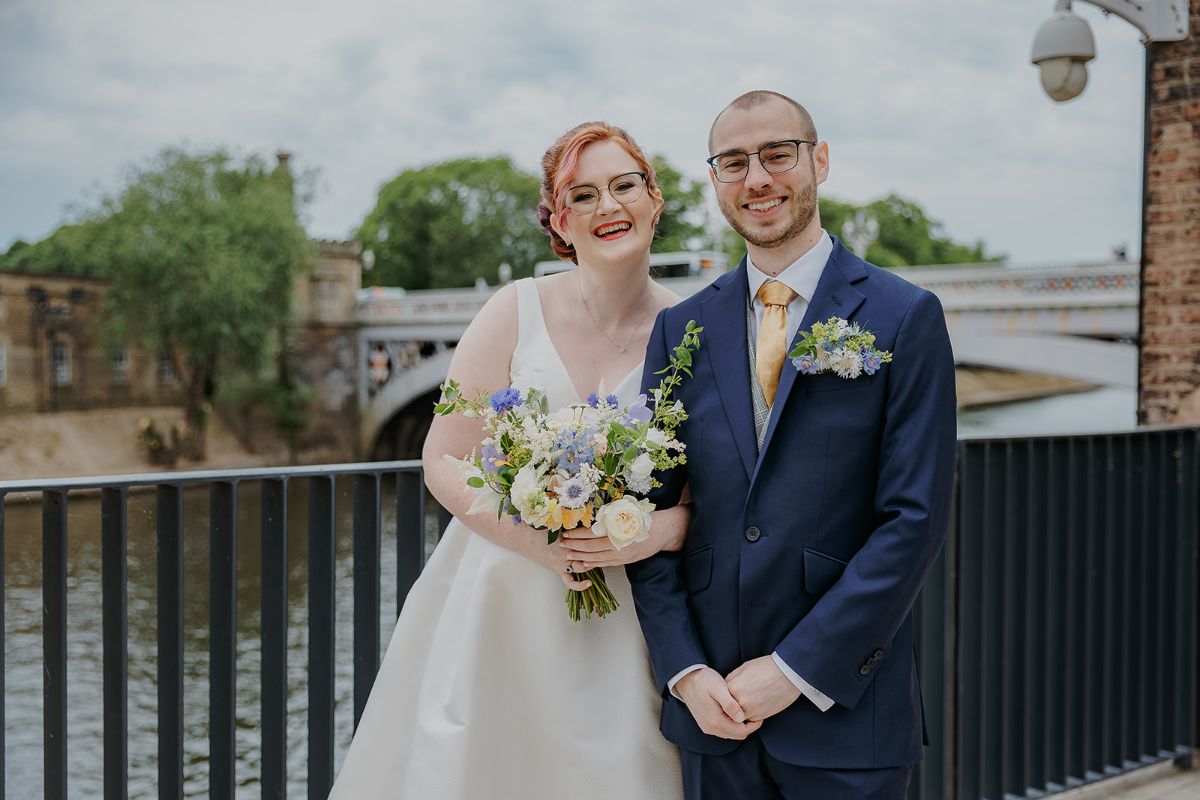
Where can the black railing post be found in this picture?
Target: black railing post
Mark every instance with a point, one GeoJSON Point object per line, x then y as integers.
{"type": "Point", "coordinates": [410, 532]}
{"type": "Point", "coordinates": [113, 544]}
{"type": "Point", "coordinates": [366, 588]}
{"type": "Point", "coordinates": [222, 647]}
{"type": "Point", "coordinates": [1187, 668]}
{"type": "Point", "coordinates": [54, 642]}
{"type": "Point", "coordinates": [274, 638]}
{"type": "Point", "coordinates": [322, 557]}
{"type": "Point", "coordinates": [170, 640]}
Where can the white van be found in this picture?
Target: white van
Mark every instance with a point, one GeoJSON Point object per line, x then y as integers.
{"type": "Point", "coordinates": [706, 264]}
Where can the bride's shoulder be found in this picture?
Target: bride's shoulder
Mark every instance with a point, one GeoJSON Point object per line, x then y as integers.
{"type": "Point", "coordinates": [497, 321]}
{"type": "Point", "coordinates": [662, 297]}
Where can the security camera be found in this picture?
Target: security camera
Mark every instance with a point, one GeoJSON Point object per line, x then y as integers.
{"type": "Point", "coordinates": [1061, 50]}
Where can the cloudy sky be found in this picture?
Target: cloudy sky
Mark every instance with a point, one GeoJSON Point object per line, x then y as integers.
{"type": "Point", "coordinates": [933, 99]}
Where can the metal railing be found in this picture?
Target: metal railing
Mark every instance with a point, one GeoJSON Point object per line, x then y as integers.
{"type": "Point", "coordinates": [1057, 635]}
{"type": "Point", "coordinates": [223, 531]}
{"type": "Point", "coordinates": [1058, 632]}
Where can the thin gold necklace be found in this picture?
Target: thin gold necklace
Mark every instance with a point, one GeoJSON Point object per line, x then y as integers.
{"type": "Point", "coordinates": [620, 348]}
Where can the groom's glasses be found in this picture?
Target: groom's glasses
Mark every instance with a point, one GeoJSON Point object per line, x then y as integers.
{"type": "Point", "coordinates": [775, 158]}
{"type": "Point", "coordinates": [625, 188]}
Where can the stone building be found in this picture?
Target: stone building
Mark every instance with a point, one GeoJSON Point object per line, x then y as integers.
{"type": "Point", "coordinates": [53, 357]}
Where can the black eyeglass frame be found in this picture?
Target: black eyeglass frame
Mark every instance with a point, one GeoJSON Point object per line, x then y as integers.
{"type": "Point", "coordinates": [712, 160]}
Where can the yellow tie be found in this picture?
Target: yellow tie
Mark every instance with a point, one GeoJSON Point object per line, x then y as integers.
{"type": "Point", "coordinates": [772, 336]}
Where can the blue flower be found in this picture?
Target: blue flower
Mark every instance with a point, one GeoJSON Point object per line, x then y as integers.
{"type": "Point", "coordinates": [491, 455]}
{"type": "Point", "coordinates": [574, 493]}
{"type": "Point", "coordinates": [506, 399]}
{"type": "Point", "coordinates": [516, 519]}
{"type": "Point", "coordinates": [806, 364]}
{"type": "Point", "coordinates": [638, 413]}
{"type": "Point", "coordinates": [575, 451]}
{"type": "Point", "coordinates": [871, 361]}
{"type": "Point", "coordinates": [594, 400]}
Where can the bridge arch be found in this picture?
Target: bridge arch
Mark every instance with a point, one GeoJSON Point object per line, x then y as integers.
{"type": "Point", "coordinates": [1090, 360]}
{"type": "Point", "coordinates": [403, 409]}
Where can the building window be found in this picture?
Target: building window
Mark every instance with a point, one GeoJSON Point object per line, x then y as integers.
{"type": "Point", "coordinates": [166, 368]}
{"type": "Point", "coordinates": [60, 364]}
{"type": "Point", "coordinates": [327, 296]}
{"type": "Point", "coordinates": [3, 364]}
{"type": "Point", "coordinates": [120, 364]}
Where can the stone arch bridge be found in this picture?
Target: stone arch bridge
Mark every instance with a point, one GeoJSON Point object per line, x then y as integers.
{"type": "Point", "coordinates": [1076, 321]}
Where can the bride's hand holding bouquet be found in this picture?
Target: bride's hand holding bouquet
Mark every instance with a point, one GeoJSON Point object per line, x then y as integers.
{"type": "Point", "coordinates": [588, 465]}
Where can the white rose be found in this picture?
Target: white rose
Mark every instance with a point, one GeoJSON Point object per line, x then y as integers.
{"type": "Point", "coordinates": [526, 488]}
{"type": "Point", "coordinates": [624, 521]}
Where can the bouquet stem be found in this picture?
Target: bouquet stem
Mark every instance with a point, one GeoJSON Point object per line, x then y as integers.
{"type": "Point", "coordinates": [597, 598]}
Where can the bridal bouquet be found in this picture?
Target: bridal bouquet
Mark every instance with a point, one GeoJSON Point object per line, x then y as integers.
{"type": "Point", "coordinates": [586, 464]}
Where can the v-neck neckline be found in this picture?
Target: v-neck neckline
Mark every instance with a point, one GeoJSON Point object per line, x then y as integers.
{"type": "Point", "coordinates": [637, 368]}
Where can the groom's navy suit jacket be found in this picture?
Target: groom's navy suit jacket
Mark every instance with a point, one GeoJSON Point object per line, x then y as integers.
{"type": "Point", "coordinates": [815, 548]}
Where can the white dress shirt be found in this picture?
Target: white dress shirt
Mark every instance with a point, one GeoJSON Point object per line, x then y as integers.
{"type": "Point", "coordinates": [801, 276]}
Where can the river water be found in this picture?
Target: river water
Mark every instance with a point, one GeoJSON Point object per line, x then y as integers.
{"type": "Point", "coordinates": [1090, 412]}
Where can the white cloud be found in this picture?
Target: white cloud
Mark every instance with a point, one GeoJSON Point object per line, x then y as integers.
{"type": "Point", "coordinates": [933, 99]}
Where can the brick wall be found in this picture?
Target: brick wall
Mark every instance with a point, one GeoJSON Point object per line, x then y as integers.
{"type": "Point", "coordinates": [1169, 376]}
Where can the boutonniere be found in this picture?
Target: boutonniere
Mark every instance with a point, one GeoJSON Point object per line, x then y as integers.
{"type": "Point", "coordinates": [840, 347]}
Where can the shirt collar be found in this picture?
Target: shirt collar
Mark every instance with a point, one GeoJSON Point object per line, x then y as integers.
{"type": "Point", "coordinates": [801, 276]}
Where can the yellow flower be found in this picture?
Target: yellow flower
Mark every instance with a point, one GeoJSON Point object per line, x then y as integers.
{"type": "Point", "coordinates": [574, 517]}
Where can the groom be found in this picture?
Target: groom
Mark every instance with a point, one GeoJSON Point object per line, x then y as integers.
{"type": "Point", "coordinates": [782, 635]}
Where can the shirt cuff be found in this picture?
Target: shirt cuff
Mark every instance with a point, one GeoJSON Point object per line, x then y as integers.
{"type": "Point", "coordinates": [819, 700]}
{"type": "Point", "coordinates": [671, 683]}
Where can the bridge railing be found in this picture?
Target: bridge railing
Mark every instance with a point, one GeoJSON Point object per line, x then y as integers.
{"type": "Point", "coordinates": [273, 486]}
{"type": "Point", "coordinates": [1057, 636]}
{"type": "Point", "coordinates": [1058, 632]}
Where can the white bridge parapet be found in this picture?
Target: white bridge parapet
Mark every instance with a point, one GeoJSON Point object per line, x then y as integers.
{"type": "Point", "coordinates": [960, 287]}
{"type": "Point", "coordinates": [1029, 318]}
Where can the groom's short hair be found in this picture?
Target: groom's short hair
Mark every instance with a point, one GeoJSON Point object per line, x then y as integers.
{"type": "Point", "coordinates": [808, 128]}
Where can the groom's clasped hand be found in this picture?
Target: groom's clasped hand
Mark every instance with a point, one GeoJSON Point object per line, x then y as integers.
{"type": "Point", "coordinates": [735, 706]}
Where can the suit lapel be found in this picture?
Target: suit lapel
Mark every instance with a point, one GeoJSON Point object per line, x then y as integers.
{"type": "Point", "coordinates": [835, 296]}
{"type": "Point", "coordinates": [723, 316]}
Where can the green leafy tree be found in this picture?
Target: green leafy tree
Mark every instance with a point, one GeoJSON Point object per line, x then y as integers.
{"type": "Point", "coordinates": [70, 249]}
{"type": "Point", "coordinates": [907, 236]}
{"type": "Point", "coordinates": [681, 226]}
{"type": "Point", "coordinates": [897, 231]}
{"type": "Point", "coordinates": [201, 252]}
{"type": "Point", "coordinates": [447, 224]}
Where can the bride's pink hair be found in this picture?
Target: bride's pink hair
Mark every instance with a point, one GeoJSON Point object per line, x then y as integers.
{"type": "Point", "coordinates": [560, 165]}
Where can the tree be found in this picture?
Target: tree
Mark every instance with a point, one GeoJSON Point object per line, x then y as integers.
{"type": "Point", "coordinates": [907, 237]}
{"type": "Point", "coordinates": [897, 231]}
{"type": "Point", "coordinates": [447, 224]}
{"type": "Point", "coordinates": [681, 225]}
{"type": "Point", "coordinates": [70, 249]}
{"type": "Point", "coordinates": [201, 253]}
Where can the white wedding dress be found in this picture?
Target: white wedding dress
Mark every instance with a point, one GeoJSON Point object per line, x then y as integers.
{"type": "Point", "coordinates": [488, 691]}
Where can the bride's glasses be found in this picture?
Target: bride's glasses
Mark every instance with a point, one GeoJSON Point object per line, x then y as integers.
{"type": "Point", "coordinates": [624, 188]}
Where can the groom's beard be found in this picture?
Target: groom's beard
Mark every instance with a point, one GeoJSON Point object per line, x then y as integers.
{"type": "Point", "coordinates": [804, 208]}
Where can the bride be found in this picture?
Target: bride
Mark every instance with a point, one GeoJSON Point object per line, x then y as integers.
{"type": "Point", "coordinates": [488, 690]}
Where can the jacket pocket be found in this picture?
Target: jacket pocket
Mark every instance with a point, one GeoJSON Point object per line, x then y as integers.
{"type": "Point", "coordinates": [697, 569]}
{"type": "Point", "coordinates": [821, 571]}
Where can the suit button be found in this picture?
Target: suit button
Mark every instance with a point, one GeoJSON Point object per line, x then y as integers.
{"type": "Point", "coordinates": [864, 670]}
{"type": "Point", "coordinates": [878, 656]}
{"type": "Point", "coordinates": [753, 534]}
